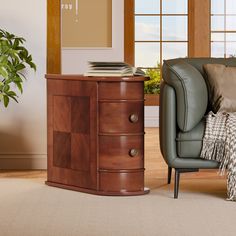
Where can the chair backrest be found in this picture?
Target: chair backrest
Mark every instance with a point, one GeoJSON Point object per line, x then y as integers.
{"type": "Point", "coordinates": [187, 77]}
{"type": "Point", "coordinates": [199, 62]}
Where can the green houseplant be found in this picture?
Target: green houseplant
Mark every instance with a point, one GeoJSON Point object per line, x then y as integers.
{"type": "Point", "coordinates": [14, 58]}
{"type": "Point", "coordinates": [152, 86]}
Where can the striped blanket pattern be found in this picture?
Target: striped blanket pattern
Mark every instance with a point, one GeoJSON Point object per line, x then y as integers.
{"type": "Point", "coordinates": [219, 144]}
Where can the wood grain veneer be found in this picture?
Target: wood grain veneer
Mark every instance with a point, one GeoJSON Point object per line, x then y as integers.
{"type": "Point", "coordinates": [115, 117]}
{"type": "Point", "coordinates": [120, 90]}
{"type": "Point", "coordinates": [129, 31]}
{"type": "Point", "coordinates": [199, 28]}
{"type": "Point", "coordinates": [72, 142]}
{"type": "Point", "coordinates": [117, 156]}
{"type": "Point", "coordinates": [54, 36]}
{"type": "Point", "coordinates": [122, 181]}
{"type": "Point", "coordinates": [95, 136]}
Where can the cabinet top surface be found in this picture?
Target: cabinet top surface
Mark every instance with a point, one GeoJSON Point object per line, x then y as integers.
{"type": "Point", "coordinates": [96, 78]}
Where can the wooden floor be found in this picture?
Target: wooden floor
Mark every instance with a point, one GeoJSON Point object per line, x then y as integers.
{"type": "Point", "coordinates": [156, 168]}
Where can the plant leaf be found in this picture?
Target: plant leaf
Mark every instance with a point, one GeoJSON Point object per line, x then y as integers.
{"type": "Point", "coordinates": [32, 65]}
{"type": "Point", "coordinates": [3, 72]}
{"type": "Point", "coordinates": [19, 86]}
{"type": "Point", "coordinates": [16, 43]}
{"type": "Point", "coordinates": [20, 67]}
{"type": "Point", "coordinates": [5, 100]}
{"type": "Point", "coordinates": [6, 88]}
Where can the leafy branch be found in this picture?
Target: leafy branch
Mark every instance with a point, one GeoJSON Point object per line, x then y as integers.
{"type": "Point", "coordinates": [14, 58]}
{"type": "Point", "coordinates": [152, 86]}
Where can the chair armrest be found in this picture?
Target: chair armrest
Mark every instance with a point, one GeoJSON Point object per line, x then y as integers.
{"type": "Point", "coordinates": [168, 123]}
{"type": "Point", "coordinates": [168, 130]}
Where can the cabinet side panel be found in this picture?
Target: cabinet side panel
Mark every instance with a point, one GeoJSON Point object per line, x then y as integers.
{"type": "Point", "coordinates": [80, 152]}
{"type": "Point", "coordinates": [62, 113]}
{"type": "Point", "coordinates": [72, 133]}
{"type": "Point", "coordinates": [61, 149]}
{"type": "Point", "coordinates": [80, 108]}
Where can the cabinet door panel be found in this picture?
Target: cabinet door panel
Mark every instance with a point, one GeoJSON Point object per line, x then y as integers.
{"type": "Point", "coordinates": [124, 152]}
{"type": "Point", "coordinates": [121, 90]}
{"type": "Point", "coordinates": [121, 117]}
{"type": "Point", "coordinates": [123, 181]}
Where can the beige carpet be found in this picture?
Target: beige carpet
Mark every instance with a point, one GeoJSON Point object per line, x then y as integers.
{"type": "Point", "coordinates": [30, 208]}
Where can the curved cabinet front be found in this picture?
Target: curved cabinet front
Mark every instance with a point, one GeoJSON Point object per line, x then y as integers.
{"type": "Point", "coordinates": [122, 182]}
{"type": "Point", "coordinates": [121, 152]}
{"type": "Point", "coordinates": [96, 134]}
{"type": "Point", "coordinates": [121, 117]}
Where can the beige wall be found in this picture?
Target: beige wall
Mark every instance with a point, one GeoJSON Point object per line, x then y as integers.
{"type": "Point", "coordinates": [23, 125]}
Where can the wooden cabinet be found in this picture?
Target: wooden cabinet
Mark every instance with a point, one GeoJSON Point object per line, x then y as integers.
{"type": "Point", "coordinates": [96, 134]}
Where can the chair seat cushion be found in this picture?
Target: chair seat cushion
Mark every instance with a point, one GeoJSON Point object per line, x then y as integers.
{"type": "Point", "coordinates": [189, 143]}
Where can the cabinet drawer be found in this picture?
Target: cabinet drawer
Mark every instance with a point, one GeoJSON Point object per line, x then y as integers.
{"type": "Point", "coordinates": [120, 90]}
{"type": "Point", "coordinates": [121, 152]}
{"type": "Point", "coordinates": [121, 117]}
{"type": "Point", "coordinates": [122, 181]}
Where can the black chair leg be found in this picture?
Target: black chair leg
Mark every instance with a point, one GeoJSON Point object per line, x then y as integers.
{"type": "Point", "coordinates": [176, 190]}
{"type": "Point", "coordinates": [169, 174]}
{"type": "Point", "coordinates": [178, 171]}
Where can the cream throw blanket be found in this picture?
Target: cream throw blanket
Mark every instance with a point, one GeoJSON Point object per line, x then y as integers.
{"type": "Point", "coordinates": [219, 144]}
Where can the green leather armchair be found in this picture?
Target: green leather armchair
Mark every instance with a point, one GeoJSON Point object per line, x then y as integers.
{"type": "Point", "coordinates": [183, 104]}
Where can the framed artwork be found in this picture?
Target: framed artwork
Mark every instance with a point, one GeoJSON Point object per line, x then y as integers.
{"type": "Point", "coordinates": [86, 24]}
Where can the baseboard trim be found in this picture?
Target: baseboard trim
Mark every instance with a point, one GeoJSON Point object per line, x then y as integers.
{"type": "Point", "coordinates": [23, 162]}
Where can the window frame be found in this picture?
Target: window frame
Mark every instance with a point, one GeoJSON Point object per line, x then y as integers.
{"type": "Point", "coordinates": [198, 29]}
{"type": "Point", "coordinates": [160, 41]}
{"type": "Point", "coordinates": [225, 31]}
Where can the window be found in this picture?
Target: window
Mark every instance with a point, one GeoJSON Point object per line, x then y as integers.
{"type": "Point", "coordinates": [161, 31]}
{"type": "Point", "coordinates": [223, 28]}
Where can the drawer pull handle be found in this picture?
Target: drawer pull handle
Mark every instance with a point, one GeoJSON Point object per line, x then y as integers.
{"type": "Point", "coordinates": [133, 152]}
{"type": "Point", "coordinates": [133, 118]}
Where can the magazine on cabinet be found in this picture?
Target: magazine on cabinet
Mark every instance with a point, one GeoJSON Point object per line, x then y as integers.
{"type": "Point", "coordinates": [118, 69]}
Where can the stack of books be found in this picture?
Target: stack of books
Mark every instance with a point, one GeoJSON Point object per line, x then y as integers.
{"type": "Point", "coordinates": [118, 69]}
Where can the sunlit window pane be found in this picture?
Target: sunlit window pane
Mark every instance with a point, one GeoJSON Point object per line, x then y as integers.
{"type": "Point", "coordinates": [223, 44]}
{"type": "Point", "coordinates": [147, 6]}
{"type": "Point", "coordinates": [175, 7]}
{"type": "Point", "coordinates": [217, 23]}
{"type": "Point", "coordinates": [230, 22]}
{"type": "Point", "coordinates": [217, 37]}
{"type": "Point", "coordinates": [231, 49]}
{"type": "Point", "coordinates": [147, 54]}
{"type": "Point", "coordinates": [230, 7]}
{"type": "Point", "coordinates": [217, 49]}
{"type": "Point", "coordinates": [217, 6]}
{"type": "Point", "coordinates": [231, 37]}
{"type": "Point", "coordinates": [174, 50]}
{"type": "Point", "coordinates": [175, 28]}
{"type": "Point", "coordinates": [147, 28]}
